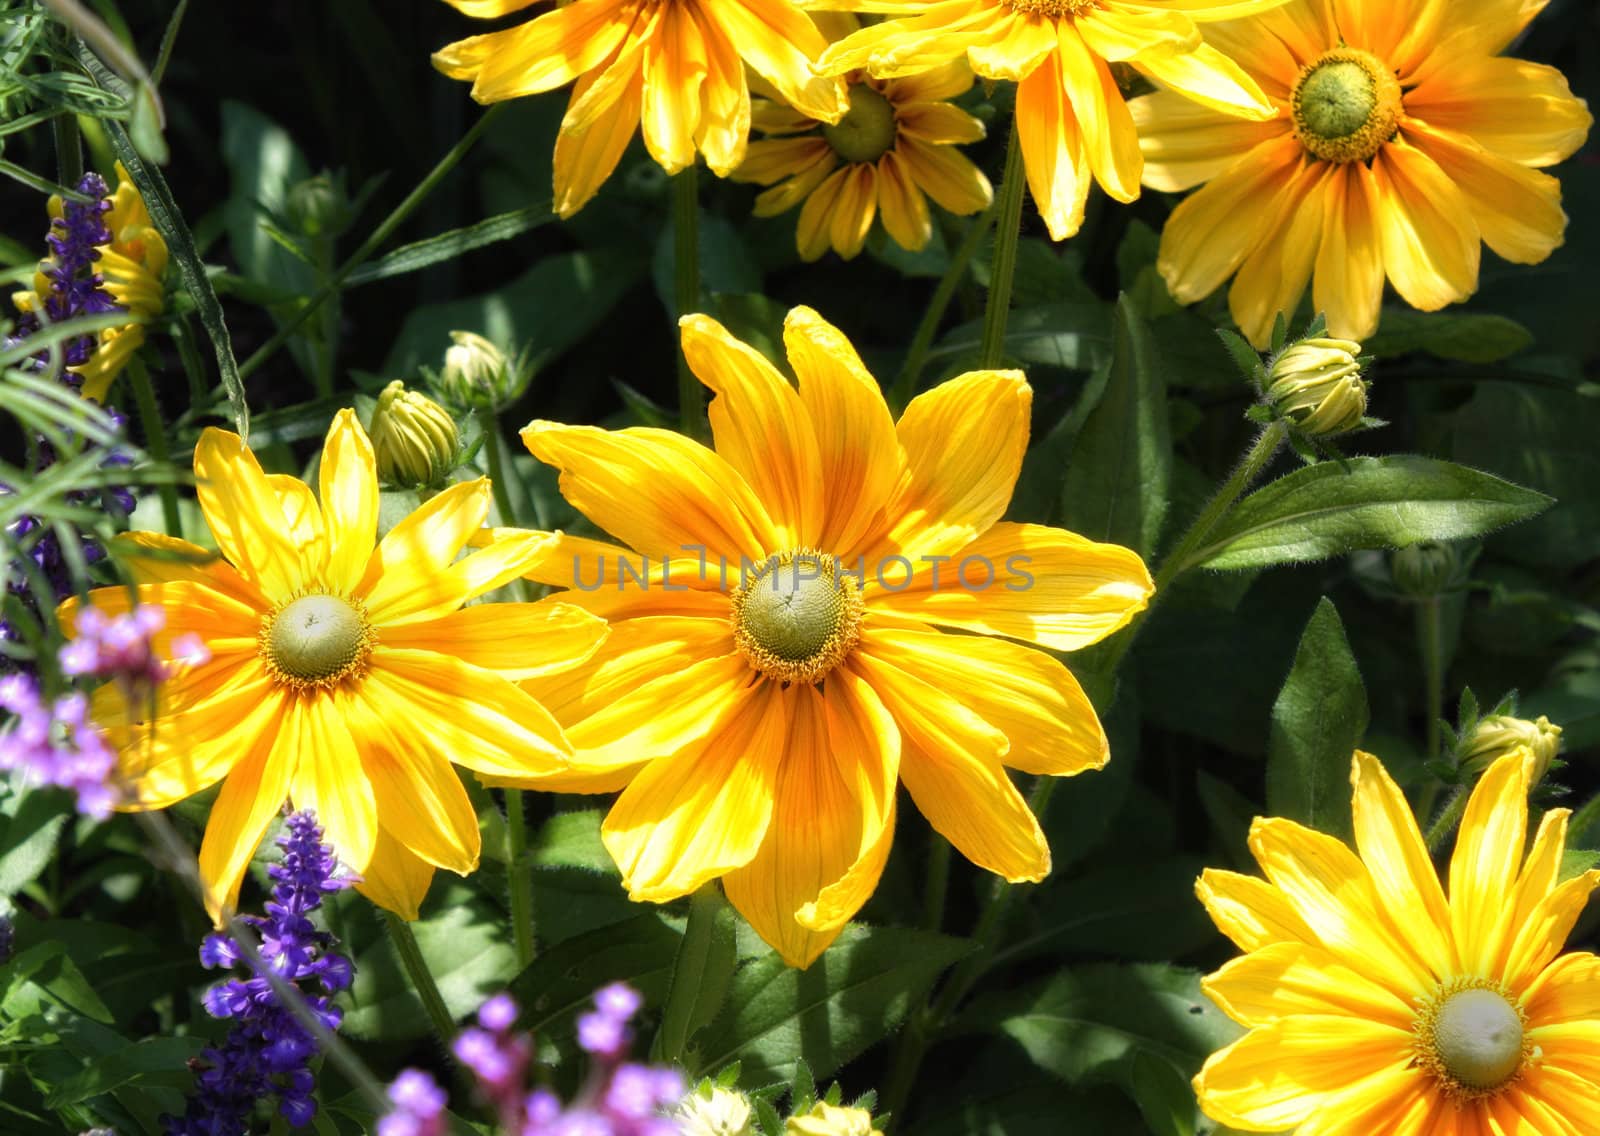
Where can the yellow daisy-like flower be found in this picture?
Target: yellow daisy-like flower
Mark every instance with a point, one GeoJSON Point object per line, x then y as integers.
{"type": "Point", "coordinates": [894, 145]}
{"type": "Point", "coordinates": [1402, 141]}
{"type": "Point", "coordinates": [342, 675]}
{"type": "Point", "coordinates": [674, 66]}
{"type": "Point", "coordinates": [1072, 120]}
{"type": "Point", "coordinates": [1377, 1006]}
{"type": "Point", "coordinates": [775, 664]}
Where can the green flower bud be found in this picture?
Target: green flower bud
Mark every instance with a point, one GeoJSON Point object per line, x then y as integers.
{"type": "Point", "coordinates": [714, 1111]}
{"type": "Point", "coordinates": [477, 373]}
{"type": "Point", "coordinates": [1317, 385]}
{"type": "Point", "coordinates": [414, 438]}
{"type": "Point", "coordinates": [1498, 734]}
{"type": "Point", "coordinates": [319, 206]}
{"type": "Point", "coordinates": [1425, 569]}
{"type": "Point", "coordinates": [830, 1120]}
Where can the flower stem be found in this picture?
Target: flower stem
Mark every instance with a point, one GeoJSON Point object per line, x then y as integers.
{"type": "Point", "coordinates": [938, 884]}
{"type": "Point", "coordinates": [369, 246]}
{"type": "Point", "coordinates": [492, 458]}
{"type": "Point", "coordinates": [1430, 645]}
{"type": "Point", "coordinates": [1582, 821]}
{"type": "Point", "coordinates": [155, 440]}
{"type": "Point", "coordinates": [1008, 225]}
{"type": "Point", "coordinates": [686, 289]}
{"type": "Point", "coordinates": [905, 384]}
{"type": "Point", "coordinates": [405, 945]}
{"type": "Point", "coordinates": [1447, 820]}
{"type": "Point", "coordinates": [519, 879]}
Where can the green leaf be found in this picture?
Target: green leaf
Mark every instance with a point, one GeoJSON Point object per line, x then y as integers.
{"type": "Point", "coordinates": [1317, 722]}
{"type": "Point", "coordinates": [1117, 483]}
{"type": "Point", "coordinates": [701, 973]}
{"type": "Point", "coordinates": [29, 825]}
{"type": "Point", "coordinates": [1126, 910]}
{"type": "Point", "coordinates": [1474, 338]}
{"type": "Point", "coordinates": [1074, 336]}
{"type": "Point", "coordinates": [42, 979]}
{"type": "Point", "coordinates": [1332, 508]}
{"type": "Point", "coordinates": [562, 980]}
{"type": "Point", "coordinates": [447, 246]}
{"type": "Point", "coordinates": [163, 1055]}
{"type": "Point", "coordinates": [264, 164]}
{"type": "Point", "coordinates": [851, 997]}
{"type": "Point", "coordinates": [572, 840]}
{"type": "Point", "coordinates": [1090, 1021]}
{"type": "Point", "coordinates": [1164, 1097]}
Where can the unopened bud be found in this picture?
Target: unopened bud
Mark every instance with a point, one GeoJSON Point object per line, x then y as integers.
{"type": "Point", "coordinates": [319, 206]}
{"type": "Point", "coordinates": [414, 438]}
{"type": "Point", "coordinates": [713, 1111]}
{"type": "Point", "coordinates": [1499, 734]}
{"type": "Point", "coordinates": [830, 1120]}
{"type": "Point", "coordinates": [1427, 568]}
{"type": "Point", "coordinates": [1317, 385]}
{"type": "Point", "coordinates": [477, 373]}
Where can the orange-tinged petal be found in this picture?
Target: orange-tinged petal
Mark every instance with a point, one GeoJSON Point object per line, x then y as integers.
{"type": "Point", "coordinates": [1249, 910]}
{"type": "Point", "coordinates": [1494, 24]}
{"type": "Point", "coordinates": [780, 42]}
{"type": "Point", "coordinates": [1120, 33]}
{"type": "Point", "coordinates": [1274, 276]}
{"type": "Point", "coordinates": [1052, 150]}
{"type": "Point", "coordinates": [1185, 143]}
{"type": "Point", "coordinates": [1348, 279]}
{"type": "Point", "coordinates": [674, 71]}
{"type": "Point", "coordinates": [1573, 1046]}
{"type": "Point", "coordinates": [1484, 866]}
{"type": "Point", "coordinates": [251, 796]}
{"type": "Point", "coordinates": [725, 114]}
{"type": "Point", "coordinates": [1208, 77]}
{"type": "Point", "coordinates": [396, 878]}
{"type": "Point", "coordinates": [515, 640]}
{"type": "Point", "coordinates": [1024, 693]}
{"type": "Point", "coordinates": [1394, 852]}
{"type": "Point", "coordinates": [1279, 1075]}
{"type": "Point", "coordinates": [1563, 1103]}
{"type": "Point", "coordinates": [656, 491]}
{"type": "Point", "coordinates": [963, 465]}
{"type": "Point", "coordinates": [687, 819]}
{"type": "Point", "coordinates": [854, 210]}
{"type": "Point", "coordinates": [950, 763]}
{"type": "Point", "coordinates": [1523, 112]}
{"type": "Point", "coordinates": [813, 231]}
{"type": "Point", "coordinates": [1288, 978]}
{"type": "Point", "coordinates": [1025, 40]}
{"type": "Point", "coordinates": [1540, 939]}
{"type": "Point", "coordinates": [193, 746]}
{"type": "Point", "coordinates": [154, 558]}
{"type": "Point", "coordinates": [1568, 990]}
{"type": "Point", "coordinates": [602, 114]}
{"type": "Point", "coordinates": [349, 488]}
{"type": "Point", "coordinates": [192, 607]}
{"type": "Point", "coordinates": [946, 175]}
{"type": "Point", "coordinates": [803, 159]}
{"type": "Point", "coordinates": [408, 571]}
{"type": "Point", "coordinates": [939, 124]}
{"type": "Point", "coordinates": [1110, 141]}
{"type": "Point", "coordinates": [1429, 238]}
{"type": "Point", "coordinates": [760, 428]}
{"type": "Point", "coordinates": [860, 460]}
{"type": "Point", "coordinates": [546, 52]}
{"type": "Point", "coordinates": [901, 205]}
{"type": "Point", "coordinates": [328, 775]}
{"type": "Point", "coordinates": [243, 512]}
{"type": "Point", "coordinates": [1032, 582]}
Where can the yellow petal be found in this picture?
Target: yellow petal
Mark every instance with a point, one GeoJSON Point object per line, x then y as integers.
{"type": "Point", "coordinates": [760, 428]}
{"type": "Point", "coordinates": [396, 878]}
{"type": "Point", "coordinates": [688, 819]}
{"type": "Point", "coordinates": [945, 175]}
{"type": "Point", "coordinates": [475, 717]}
{"type": "Point", "coordinates": [1208, 77]}
{"type": "Point", "coordinates": [936, 35]}
{"type": "Point", "coordinates": [945, 81]}
{"type": "Point", "coordinates": [656, 491]}
{"type": "Point", "coordinates": [1121, 33]}
{"type": "Point", "coordinates": [939, 124]}
{"type": "Point", "coordinates": [328, 777]}
{"type": "Point", "coordinates": [1274, 276]}
{"type": "Point", "coordinates": [251, 796]}
{"type": "Point", "coordinates": [1332, 892]}
{"type": "Point", "coordinates": [546, 52]}
{"type": "Point", "coordinates": [819, 829]}
{"type": "Point", "coordinates": [1523, 112]}
{"type": "Point", "coordinates": [407, 573]}
{"type": "Point", "coordinates": [1518, 210]}
{"type": "Point", "coordinates": [1024, 693]}
{"type": "Point", "coordinates": [773, 159]}
{"type": "Point", "coordinates": [1540, 939]}
{"type": "Point", "coordinates": [1429, 239]}
{"type": "Point", "coordinates": [674, 70]}
{"type": "Point", "coordinates": [1109, 139]}
{"type": "Point", "coordinates": [963, 465]}
{"type": "Point", "coordinates": [515, 640]}
{"type": "Point", "coordinates": [1279, 1075]}
{"type": "Point", "coordinates": [1494, 24]}
{"type": "Point", "coordinates": [349, 488]}
{"type": "Point", "coordinates": [243, 512]}
{"type": "Point", "coordinates": [602, 114]}
{"type": "Point", "coordinates": [859, 455]}
{"type": "Point", "coordinates": [191, 747]}
{"type": "Point", "coordinates": [1052, 150]}
{"type": "Point", "coordinates": [903, 208]}
{"type": "Point", "coordinates": [1484, 866]}
{"type": "Point", "coordinates": [303, 523]}
{"type": "Point", "coordinates": [1393, 850]}
{"type": "Point", "coordinates": [1567, 991]}
{"type": "Point", "coordinates": [488, 9]}
{"type": "Point", "coordinates": [725, 113]}
{"type": "Point", "coordinates": [950, 763]}
{"type": "Point", "coordinates": [1285, 979]}
{"type": "Point", "coordinates": [191, 606]}
{"type": "Point", "coordinates": [1043, 585]}
{"type": "Point", "coordinates": [1249, 910]}
{"type": "Point", "coordinates": [780, 42]}
{"type": "Point", "coordinates": [1348, 280]}
{"type": "Point", "coordinates": [610, 581]}
{"type": "Point", "coordinates": [813, 232]}
{"type": "Point", "coordinates": [154, 558]}
{"type": "Point", "coordinates": [1559, 1102]}
{"type": "Point", "coordinates": [1025, 40]}
{"type": "Point", "coordinates": [1573, 1046]}
{"type": "Point", "coordinates": [854, 210]}
{"type": "Point", "coordinates": [1185, 143]}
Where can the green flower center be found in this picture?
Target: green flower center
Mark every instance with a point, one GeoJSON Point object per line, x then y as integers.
{"type": "Point", "coordinates": [316, 641]}
{"type": "Point", "coordinates": [797, 616]}
{"type": "Point", "coordinates": [1471, 1037]}
{"type": "Point", "coordinates": [1345, 106]}
{"type": "Point", "coordinates": [867, 130]}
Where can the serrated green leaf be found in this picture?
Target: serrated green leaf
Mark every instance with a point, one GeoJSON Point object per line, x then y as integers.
{"type": "Point", "coordinates": [1466, 338]}
{"type": "Point", "coordinates": [1117, 482]}
{"type": "Point", "coordinates": [1332, 508]}
{"type": "Point", "coordinates": [162, 1055]}
{"type": "Point", "coordinates": [702, 971]}
{"type": "Point", "coordinates": [1317, 722]}
{"type": "Point", "coordinates": [851, 997]}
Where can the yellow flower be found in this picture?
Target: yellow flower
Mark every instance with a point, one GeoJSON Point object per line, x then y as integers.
{"type": "Point", "coordinates": [1402, 140]}
{"type": "Point", "coordinates": [1377, 1004]}
{"type": "Point", "coordinates": [1071, 119]}
{"type": "Point", "coordinates": [895, 144]}
{"type": "Point", "coordinates": [677, 66]}
{"type": "Point", "coordinates": [781, 666]}
{"type": "Point", "coordinates": [342, 676]}
{"type": "Point", "coordinates": [830, 1120]}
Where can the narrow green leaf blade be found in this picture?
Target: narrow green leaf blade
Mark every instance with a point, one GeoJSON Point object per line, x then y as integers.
{"type": "Point", "coordinates": [1116, 487]}
{"type": "Point", "coordinates": [1317, 722]}
{"type": "Point", "coordinates": [446, 246]}
{"type": "Point", "coordinates": [1332, 508]}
